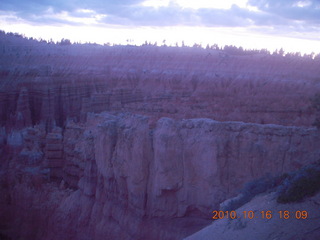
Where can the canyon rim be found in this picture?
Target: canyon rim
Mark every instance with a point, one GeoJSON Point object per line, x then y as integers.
{"type": "Point", "coordinates": [126, 142]}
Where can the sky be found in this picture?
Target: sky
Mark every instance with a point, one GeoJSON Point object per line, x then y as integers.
{"type": "Point", "coordinates": [293, 25]}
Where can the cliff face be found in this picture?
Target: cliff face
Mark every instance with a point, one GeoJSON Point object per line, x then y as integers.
{"type": "Point", "coordinates": [50, 83]}
{"type": "Point", "coordinates": [98, 142]}
{"type": "Point", "coordinates": [119, 178]}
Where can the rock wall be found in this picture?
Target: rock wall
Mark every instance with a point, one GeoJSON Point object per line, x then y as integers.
{"type": "Point", "coordinates": [67, 174]}
{"type": "Point", "coordinates": [122, 179]}
{"type": "Point", "coordinates": [56, 83]}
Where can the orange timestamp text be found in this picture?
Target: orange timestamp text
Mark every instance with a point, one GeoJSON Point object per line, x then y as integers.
{"type": "Point", "coordinates": [285, 214]}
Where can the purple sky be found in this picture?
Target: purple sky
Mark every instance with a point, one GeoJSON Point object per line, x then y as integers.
{"type": "Point", "coordinates": [291, 24]}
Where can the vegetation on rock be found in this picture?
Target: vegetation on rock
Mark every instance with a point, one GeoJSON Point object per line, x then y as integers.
{"type": "Point", "coordinates": [300, 184]}
{"type": "Point", "coordinates": [289, 187]}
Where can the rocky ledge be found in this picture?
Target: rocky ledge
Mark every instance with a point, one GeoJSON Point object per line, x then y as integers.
{"type": "Point", "coordinates": [117, 177]}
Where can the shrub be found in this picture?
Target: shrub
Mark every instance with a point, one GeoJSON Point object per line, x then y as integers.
{"type": "Point", "coordinates": [258, 186]}
{"type": "Point", "coordinates": [289, 187]}
{"type": "Point", "coordinates": [300, 184]}
{"type": "Point", "coordinates": [249, 191]}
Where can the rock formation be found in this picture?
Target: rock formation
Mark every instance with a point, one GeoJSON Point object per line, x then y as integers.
{"type": "Point", "coordinates": [128, 178]}
{"type": "Point", "coordinates": [53, 83]}
{"type": "Point", "coordinates": [120, 142]}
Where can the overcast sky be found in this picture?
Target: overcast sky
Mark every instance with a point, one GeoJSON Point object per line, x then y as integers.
{"type": "Point", "coordinates": [290, 24]}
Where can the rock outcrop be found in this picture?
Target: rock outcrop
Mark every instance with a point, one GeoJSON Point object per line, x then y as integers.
{"type": "Point", "coordinates": [120, 178]}
{"type": "Point", "coordinates": [54, 152]}
{"type": "Point", "coordinates": [101, 142]}
{"type": "Point", "coordinates": [51, 84]}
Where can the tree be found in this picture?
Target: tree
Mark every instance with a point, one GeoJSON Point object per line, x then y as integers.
{"type": "Point", "coordinates": [281, 52]}
{"type": "Point", "coordinates": [65, 42]}
{"type": "Point", "coordinates": [164, 42]}
{"type": "Point", "coordinates": [50, 41]}
{"type": "Point", "coordinates": [215, 47]}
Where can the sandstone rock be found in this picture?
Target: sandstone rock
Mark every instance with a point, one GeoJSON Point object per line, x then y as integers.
{"type": "Point", "coordinates": [15, 138]}
{"type": "Point", "coordinates": [54, 152]}
{"type": "Point", "coordinates": [81, 173]}
{"type": "Point", "coordinates": [23, 109]}
{"type": "Point", "coordinates": [31, 157]}
{"type": "Point", "coordinates": [185, 168]}
{"type": "Point", "coordinates": [131, 178]}
{"type": "Point", "coordinates": [252, 88]}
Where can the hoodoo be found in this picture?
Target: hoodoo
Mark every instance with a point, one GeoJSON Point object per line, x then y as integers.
{"type": "Point", "coordinates": [125, 142]}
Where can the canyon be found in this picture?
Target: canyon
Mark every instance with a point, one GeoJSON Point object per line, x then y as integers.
{"type": "Point", "coordinates": [127, 142]}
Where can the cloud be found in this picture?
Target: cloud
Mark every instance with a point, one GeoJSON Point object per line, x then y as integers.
{"type": "Point", "coordinates": [295, 10]}
{"type": "Point", "coordinates": [285, 14]}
